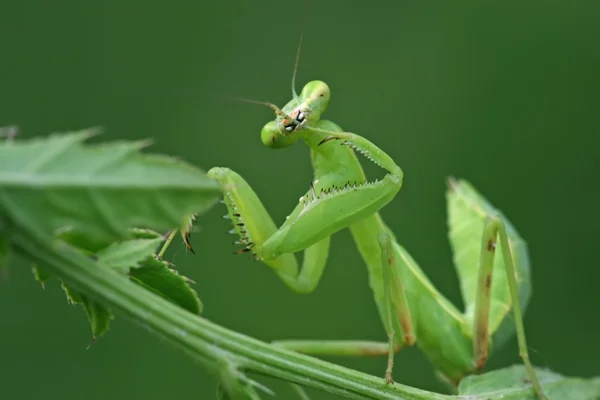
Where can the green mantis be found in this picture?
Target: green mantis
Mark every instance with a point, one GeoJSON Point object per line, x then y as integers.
{"type": "Point", "coordinates": [495, 287]}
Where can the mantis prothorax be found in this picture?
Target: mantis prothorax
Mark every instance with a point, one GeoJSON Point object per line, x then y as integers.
{"type": "Point", "coordinates": [413, 311]}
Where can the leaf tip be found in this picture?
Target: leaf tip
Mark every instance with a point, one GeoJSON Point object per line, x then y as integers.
{"type": "Point", "coordinates": [451, 183]}
{"type": "Point", "coordinates": [142, 144]}
{"type": "Point", "coordinates": [91, 132]}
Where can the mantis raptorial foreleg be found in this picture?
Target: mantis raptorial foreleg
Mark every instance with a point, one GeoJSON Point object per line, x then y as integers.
{"type": "Point", "coordinates": [311, 223]}
{"type": "Point", "coordinates": [254, 225]}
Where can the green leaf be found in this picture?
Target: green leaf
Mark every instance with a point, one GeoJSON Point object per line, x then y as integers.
{"type": "Point", "coordinates": [121, 255]}
{"type": "Point", "coordinates": [72, 296]}
{"type": "Point", "coordinates": [98, 315]}
{"type": "Point", "coordinates": [467, 213]}
{"type": "Point", "coordinates": [145, 234]}
{"type": "Point", "coordinates": [128, 253]}
{"type": "Point", "coordinates": [82, 241]}
{"type": "Point", "coordinates": [156, 276]}
{"type": "Point", "coordinates": [512, 384]}
{"type": "Point", "coordinates": [90, 246]}
{"type": "Point", "coordinates": [59, 183]}
{"type": "Point", "coordinates": [41, 275]}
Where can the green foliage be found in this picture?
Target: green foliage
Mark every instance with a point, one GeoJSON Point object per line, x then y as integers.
{"type": "Point", "coordinates": [101, 190]}
{"type": "Point", "coordinates": [98, 315]}
{"type": "Point", "coordinates": [90, 196]}
{"type": "Point", "coordinates": [156, 275]}
{"type": "Point", "coordinates": [512, 384]}
{"type": "Point", "coordinates": [86, 215]}
{"type": "Point", "coordinates": [129, 253]}
{"type": "Point", "coordinates": [41, 275]}
{"type": "Point", "coordinates": [136, 259]}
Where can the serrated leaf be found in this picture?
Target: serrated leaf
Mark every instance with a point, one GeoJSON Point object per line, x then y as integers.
{"type": "Point", "coordinates": [120, 255]}
{"type": "Point", "coordinates": [101, 190]}
{"type": "Point", "coordinates": [98, 315]}
{"type": "Point", "coordinates": [156, 276]}
{"type": "Point", "coordinates": [128, 253]}
{"type": "Point", "coordinates": [41, 275]}
{"type": "Point", "coordinates": [90, 246]}
{"type": "Point", "coordinates": [512, 383]}
{"type": "Point", "coordinates": [82, 241]}
{"type": "Point", "coordinates": [73, 296]}
{"type": "Point", "coordinates": [138, 233]}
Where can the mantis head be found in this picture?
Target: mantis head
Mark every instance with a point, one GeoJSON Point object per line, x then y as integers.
{"type": "Point", "coordinates": [302, 111]}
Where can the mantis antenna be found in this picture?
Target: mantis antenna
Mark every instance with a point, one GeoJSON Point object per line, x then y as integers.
{"type": "Point", "coordinates": [272, 106]}
{"type": "Point", "coordinates": [298, 50]}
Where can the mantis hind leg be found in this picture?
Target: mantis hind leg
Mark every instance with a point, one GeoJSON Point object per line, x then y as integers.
{"type": "Point", "coordinates": [346, 348]}
{"type": "Point", "coordinates": [494, 227]}
{"type": "Point", "coordinates": [397, 311]}
{"type": "Point", "coordinates": [352, 348]}
{"type": "Point", "coordinates": [397, 318]}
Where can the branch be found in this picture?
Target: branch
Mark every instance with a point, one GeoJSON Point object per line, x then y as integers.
{"type": "Point", "coordinates": [210, 344]}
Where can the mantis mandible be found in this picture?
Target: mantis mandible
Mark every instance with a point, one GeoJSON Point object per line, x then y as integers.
{"type": "Point", "coordinates": [412, 310]}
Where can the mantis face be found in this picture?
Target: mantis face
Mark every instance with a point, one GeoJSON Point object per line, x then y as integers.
{"type": "Point", "coordinates": [303, 110]}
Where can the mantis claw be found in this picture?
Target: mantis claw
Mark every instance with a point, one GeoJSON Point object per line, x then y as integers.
{"type": "Point", "coordinates": [186, 240]}
{"type": "Point", "coordinates": [334, 136]}
{"type": "Point", "coordinates": [328, 138]}
{"type": "Point", "coordinates": [388, 379]}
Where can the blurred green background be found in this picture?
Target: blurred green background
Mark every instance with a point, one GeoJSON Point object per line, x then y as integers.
{"type": "Point", "coordinates": [504, 95]}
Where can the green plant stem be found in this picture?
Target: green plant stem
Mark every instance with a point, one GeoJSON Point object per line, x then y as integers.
{"type": "Point", "coordinates": [166, 244]}
{"type": "Point", "coordinates": [212, 345]}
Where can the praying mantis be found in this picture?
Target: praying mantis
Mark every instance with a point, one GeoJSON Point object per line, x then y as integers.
{"type": "Point", "coordinates": [495, 289]}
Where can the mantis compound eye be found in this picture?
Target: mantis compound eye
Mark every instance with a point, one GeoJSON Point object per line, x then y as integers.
{"type": "Point", "coordinates": [273, 138]}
